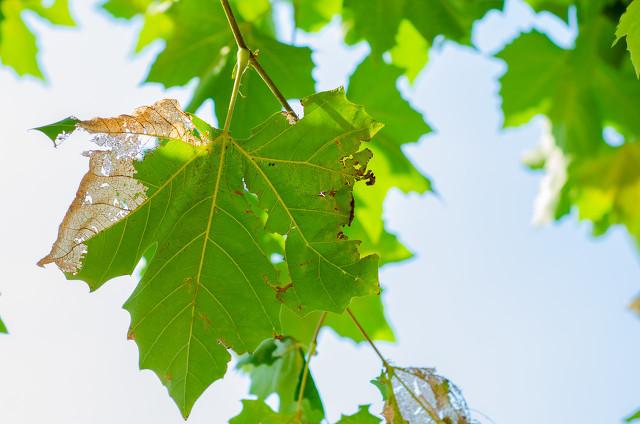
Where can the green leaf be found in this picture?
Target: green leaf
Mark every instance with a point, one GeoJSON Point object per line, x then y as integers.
{"type": "Point", "coordinates": [209, 284]}
{"type": "Point", "coordinates": [256, 411]}
{"type": "Point", "coordinates": [363, 416]}
{"type": "Point", "coordinates": [411, 51]}
{"type": "Point", "coordinates": [3, 328]}
{"type": "Point", "coordinates": [59, 130]}
{"type": "Point", "coordinates": [157, 25]}
{"type": "Point", "coordinates": [451, 18]}
{"type": "Point", "coordinates": [605, 189]}
{"type": "Point", "coordinates": [572, 87]}
{"type": "Point", "coordinates": [633, 417]}
{"type": "Point", "coordinates": [290, 66]}
{"type": "Point", "coordinates": [629, 27]}
{"type": "Point", "coordinates": [313, 15]}
{"type": "Point", "coordinates": [393, 169]}
{"type": "Point", "coordinates": [18, 46]}
{"type": "Point", "coordinates": [200, 34]}
{"type": "Point", "coordinates": [559, 8]}
{"type": "Point", "coordinates": [57, 13]}
{"type": "Point", "coordinates": [368, 309]}
{"type": "Point", "coordinates": [126, 9]}
{"type": "Point", "coordinates": [377, 21]}
{"type": "Point", "coordinates": [277, 367]}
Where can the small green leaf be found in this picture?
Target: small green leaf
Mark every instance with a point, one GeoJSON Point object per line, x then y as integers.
{"type": "Point", "coordinates": [126, 9]}
{"type": "Point", "coordinates": [256, 411]}
{"type": "Point", "coordinates": [377, 21]}
{"type": "Point", "coordinates": [3, 328]}
{"type": "Point", "coordinates": [363, 416]}
{"type": "Point", "coordinates": [629, 27]}
{"type": "Point", "coordinates": [411, 51]}
{"type": "Point", "coordinates": [451, 18]}
{"type": "Point", "coordinates": [277, 367]}
{"type": "Point", "coordinates": [58, 130]}
{"type": "Point", "coordinates": [313, 15]}
{"type": "Point", "coordinates": [633, 417]}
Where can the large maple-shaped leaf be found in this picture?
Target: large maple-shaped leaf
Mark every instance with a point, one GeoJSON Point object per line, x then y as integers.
{"type": "Point", "coordinates": [210, 285]}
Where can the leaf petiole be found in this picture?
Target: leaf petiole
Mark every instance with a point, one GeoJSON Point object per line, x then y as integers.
{"type": "Point", "coordinates": [241, 65]}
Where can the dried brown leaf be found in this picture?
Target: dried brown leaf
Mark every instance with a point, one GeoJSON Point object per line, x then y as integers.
{"type": "Point", "coordinates": [109, 191]}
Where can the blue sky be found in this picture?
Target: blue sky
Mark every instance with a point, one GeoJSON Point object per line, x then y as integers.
{"type": "Point", "coordinates": [530, 322]}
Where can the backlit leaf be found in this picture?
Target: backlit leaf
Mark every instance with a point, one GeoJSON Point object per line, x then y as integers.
{"type": "Point", "coordinates": [629, 27]}
{"type": "Point", "coordinates": [277, 367]}
{"type": "Point", "coordinates": [363, 416]}
{"type": "Point", "coordinates": [209, 285]}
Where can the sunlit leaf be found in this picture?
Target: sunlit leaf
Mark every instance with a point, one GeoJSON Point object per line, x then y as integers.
{"type": "Point", "coordinates": [276, 367]}
{"type": "Point", "coordinates": [629, 27]}
{"type": "Point", "coordinates": [363, 416]}
{"type": "Point", "coordinates": [210, 286]}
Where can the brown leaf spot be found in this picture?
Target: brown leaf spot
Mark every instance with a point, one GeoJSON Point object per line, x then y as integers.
{"type": "Point", "coordinates": [280, 290]}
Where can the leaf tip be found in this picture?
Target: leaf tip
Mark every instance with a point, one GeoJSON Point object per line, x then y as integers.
{"type": "Point", "coordinates": [59, 131]}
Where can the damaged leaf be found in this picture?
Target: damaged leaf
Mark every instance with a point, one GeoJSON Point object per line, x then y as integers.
{"type": "Point", "coordinates": [420, 396]}
{"type": "Point", "coordinates": [209, 286]}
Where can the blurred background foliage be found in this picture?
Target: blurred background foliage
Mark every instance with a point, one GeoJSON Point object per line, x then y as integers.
{"type": "Point", "coordinates": [589, 93]}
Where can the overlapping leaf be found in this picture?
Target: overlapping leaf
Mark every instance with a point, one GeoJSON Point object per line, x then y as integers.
{"type": "Point", "coordinates": [363, 416]}
{"type": "Point", "coordinates": [629, 27]}
{"type": "Point", "coordinates": [277, 367]}
{"type": "Point", "coordinates": [18, 46]}
{"type": "Point", "coordinates": [210, 285]}
{"type": "Point", "coordinates": [378, 21]}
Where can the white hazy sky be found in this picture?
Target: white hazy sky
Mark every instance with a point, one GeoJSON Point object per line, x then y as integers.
{"type": "Point", "coordinates": [530, 322]}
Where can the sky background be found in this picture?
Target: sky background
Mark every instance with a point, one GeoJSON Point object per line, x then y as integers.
{"type": "Point", "coordinates": [531, 323]}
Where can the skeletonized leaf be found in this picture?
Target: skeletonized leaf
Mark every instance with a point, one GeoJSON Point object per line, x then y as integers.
{"type": "Point", "coordinates": [108, 192]}
{"type": "Point", "coordinates": [420, 396]}
{"type": "Point", "coordinates": [210, 285]}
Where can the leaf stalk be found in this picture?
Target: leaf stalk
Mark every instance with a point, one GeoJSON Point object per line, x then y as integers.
{"type": "Point", "coordinates": [305, 373]}
{"type": "Point", "coordinates": [253, 60]}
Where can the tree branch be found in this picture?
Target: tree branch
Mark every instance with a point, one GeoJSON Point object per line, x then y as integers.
{"type": "Point", "coordinates": [253, 59]}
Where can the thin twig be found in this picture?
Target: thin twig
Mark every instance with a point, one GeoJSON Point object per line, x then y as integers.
{"type": "Point", "coordinates": [391, 370]}
{"type": "Point", "coordinates": [366, 336]}
{"type": "Point", "coordinates": [272, 86]}
{"type": "Point", "coordinates": [311, 352]}
{"type": "Point", "coordinates": [233, 24]}
{"type": "Point", "coordinates": [253, 59]}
